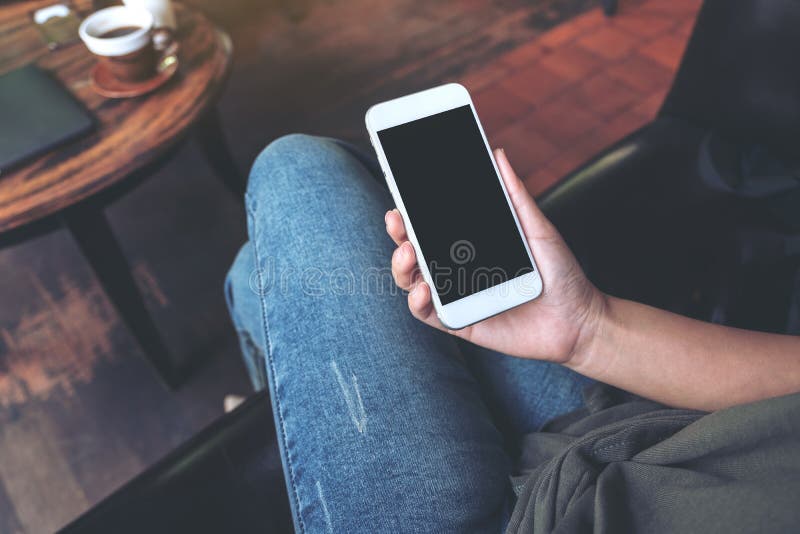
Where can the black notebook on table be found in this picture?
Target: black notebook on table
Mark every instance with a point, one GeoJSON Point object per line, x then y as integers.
{"type": "Point", "coordinates": [36, 114]}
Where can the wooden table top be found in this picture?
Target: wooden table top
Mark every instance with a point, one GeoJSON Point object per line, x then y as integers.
{"type": "Point", "coordinates": [131, 133]}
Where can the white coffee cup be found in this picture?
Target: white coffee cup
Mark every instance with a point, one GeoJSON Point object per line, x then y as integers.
{"type": "Point", "coordinates": [99, 24]}
{"type": "Point", "coordinates": [121, 37]}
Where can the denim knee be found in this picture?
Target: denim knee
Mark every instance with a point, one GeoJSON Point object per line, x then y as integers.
{"type": "Point", "coordinates": [280, 164]}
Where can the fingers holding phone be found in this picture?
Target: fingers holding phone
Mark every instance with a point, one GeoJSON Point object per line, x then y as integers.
{"type": "Point", "coordinates": [395, 227]}
{"type": "Point", "coordinates": [406, 272]}
{"type": "Point", "coordinates": [404, 266]}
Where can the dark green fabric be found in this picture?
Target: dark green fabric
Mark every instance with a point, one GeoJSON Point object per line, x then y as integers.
{"type": "Point", "coordinates": [640, 467]}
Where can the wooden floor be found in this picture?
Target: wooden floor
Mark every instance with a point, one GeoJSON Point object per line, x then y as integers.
{"type": "Point", "coordinates": [80, 412]}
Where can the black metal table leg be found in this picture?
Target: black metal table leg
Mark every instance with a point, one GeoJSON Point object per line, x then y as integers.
{"type": "Point", "coordinates": [96, 240]}
{"type": "Point", "coordinates": [214, 145]}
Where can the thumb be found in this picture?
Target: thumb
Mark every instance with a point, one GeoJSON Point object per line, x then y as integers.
{"type": "Point", "coordinates": [533, 221]}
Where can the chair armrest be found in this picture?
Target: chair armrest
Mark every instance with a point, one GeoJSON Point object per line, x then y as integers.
{"type": "Point", "coordinates": [639, 219]}
{"type": "Point", "coordinates": [227, 478]}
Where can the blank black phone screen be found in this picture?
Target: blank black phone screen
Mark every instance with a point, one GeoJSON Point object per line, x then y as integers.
{"type": "Point", "coordinates": [455, 202]}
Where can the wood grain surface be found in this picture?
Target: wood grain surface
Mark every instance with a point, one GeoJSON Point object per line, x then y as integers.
{"type": "Point", "coordinates": [131, 133]}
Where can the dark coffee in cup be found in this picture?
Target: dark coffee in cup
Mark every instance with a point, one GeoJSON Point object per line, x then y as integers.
{"type": "Point", "coordinates": [121, 38]}
{"type": "Point", "coordinates": [119, 32]}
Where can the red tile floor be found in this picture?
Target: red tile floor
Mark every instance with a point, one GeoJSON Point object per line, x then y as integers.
{"type": "Point", "coordinates": [558, 100]}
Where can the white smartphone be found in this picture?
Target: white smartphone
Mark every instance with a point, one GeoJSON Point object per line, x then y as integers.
{"type": "Point", "coordinates": [442, 175]}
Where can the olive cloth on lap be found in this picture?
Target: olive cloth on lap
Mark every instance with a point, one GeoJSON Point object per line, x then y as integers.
{"type": "Point", "coordinates": [640, 467]}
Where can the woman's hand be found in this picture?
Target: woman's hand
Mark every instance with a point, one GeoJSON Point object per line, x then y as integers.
{"type": "Point", "coordinates": [656, 354]}
{"type": "Point", "coordinates": [557, 326]}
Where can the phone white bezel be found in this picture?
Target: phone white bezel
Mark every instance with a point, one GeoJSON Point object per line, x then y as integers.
{"type": "Point", "coordinates": [484, 304]}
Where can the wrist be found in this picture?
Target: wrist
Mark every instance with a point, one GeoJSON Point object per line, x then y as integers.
{"type": "Point", "coordinates": [594, 320]}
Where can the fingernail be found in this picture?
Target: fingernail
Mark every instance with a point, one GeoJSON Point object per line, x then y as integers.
{"type": "Point", "coordinates": [503, 151]}
{"type": "Point", "coordinates": [386, 217]}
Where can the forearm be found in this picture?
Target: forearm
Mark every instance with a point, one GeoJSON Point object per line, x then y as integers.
{"type": "Point", "coordinates": [686, 363]}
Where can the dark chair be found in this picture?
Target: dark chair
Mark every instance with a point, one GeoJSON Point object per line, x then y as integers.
{"type": "Point", "coordinates": [226, 479]}
{"type": "Point", "coordinates": [637, 215]}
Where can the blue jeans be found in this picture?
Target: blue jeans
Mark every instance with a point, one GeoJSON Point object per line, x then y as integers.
{"type": "Point", "coordinates": [384, 424]}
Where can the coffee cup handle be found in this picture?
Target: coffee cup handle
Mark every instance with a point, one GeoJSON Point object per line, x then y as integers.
{"type": "Point", "coordinates": [164, 40]}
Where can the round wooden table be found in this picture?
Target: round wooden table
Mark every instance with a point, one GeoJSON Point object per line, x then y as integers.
{"type": "Point", "coordinates": [72, 184]}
